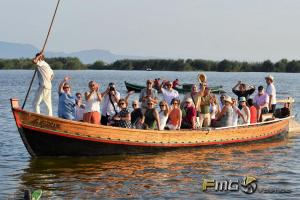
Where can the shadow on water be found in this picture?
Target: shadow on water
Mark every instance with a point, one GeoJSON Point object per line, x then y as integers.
{"type": "Point", "coordinates": [167, 174]}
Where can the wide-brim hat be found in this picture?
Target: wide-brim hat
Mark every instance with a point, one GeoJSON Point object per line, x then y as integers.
{"type": "Point", "coordinates": [270, 77]}
{"type": "Point", "coordinates": [228, 99]}
{"type": "Point", "coordinates": [202, 77]}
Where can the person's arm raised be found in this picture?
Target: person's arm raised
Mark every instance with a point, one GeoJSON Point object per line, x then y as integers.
{"type": "Point", "coordinates": [237, 84]}
{"type": "Point", "coordinates": [62, 83]}
{"type": "Point", "coordinates": [128, 95]}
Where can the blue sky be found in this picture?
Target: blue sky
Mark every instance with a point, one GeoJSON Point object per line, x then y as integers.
{"type": "Point", "coordinates": [245, 30]}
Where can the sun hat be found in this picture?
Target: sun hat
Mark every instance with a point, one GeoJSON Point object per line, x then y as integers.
{"type": "Point", "coordinates": [242, 99]}
{"type": "Point", "coordinates": [189, 100]}
{"type": "Point", "coordinates": [228, 99]}
{"type": "Point", "coordinates": [202, 77]}
{"type": "Point", "coordinates": [270, 77]}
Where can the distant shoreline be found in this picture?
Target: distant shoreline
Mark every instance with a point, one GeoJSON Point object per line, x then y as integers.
{"type": "Point", "coordinates": [73, 63]}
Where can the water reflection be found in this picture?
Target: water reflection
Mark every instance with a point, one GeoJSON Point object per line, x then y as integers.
{"type": "Point", "coordinates": [169, 174]}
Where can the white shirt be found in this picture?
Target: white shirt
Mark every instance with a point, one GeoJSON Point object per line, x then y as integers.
{"type": "Point", "coordinates": [163, 120]}
{"type": "Point", "coordinates": [271, 91]}
{"type": "Point", "coordinates": [214, 110]}
{"type": "Point", "coordinates": [235, 116]}
{"type": "Point", "coordinates": [169, 95]}
{"type": "Point", "coordinates": [92, 105]}
{"type": "Point", "coordinates": [79, 113]}
{"type": "Point", "coordinates": [244, 113]}
{"type": "Point", "coordinates": [44, 74]}
{"type": "Point", "coordinates": [107, 107]}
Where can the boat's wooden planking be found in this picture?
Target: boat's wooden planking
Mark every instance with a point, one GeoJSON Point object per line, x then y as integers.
{"type": "Point", "coordinates": [86, 131]}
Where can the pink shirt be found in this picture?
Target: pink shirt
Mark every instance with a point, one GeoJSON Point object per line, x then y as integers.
{"type": "Point", "coordinates": [261, 100]}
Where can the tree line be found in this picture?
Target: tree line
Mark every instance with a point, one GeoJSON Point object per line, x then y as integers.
{"type": "Point", "coordinates": [71, 63]}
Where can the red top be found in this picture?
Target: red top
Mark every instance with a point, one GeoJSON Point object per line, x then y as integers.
{"type": "Point", "coordinates": [190, 114]}
{"type": "Point", "coordinates": [253, 115]}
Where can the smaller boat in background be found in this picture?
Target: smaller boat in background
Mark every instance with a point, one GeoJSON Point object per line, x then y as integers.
{"type": "Point", "coordinates": [185, 88]}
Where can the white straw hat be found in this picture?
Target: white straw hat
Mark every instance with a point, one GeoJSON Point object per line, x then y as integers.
{"type": "Point", "coordinates": [228, 99]}
{"type": "Point", "coordinates": [270, 77]}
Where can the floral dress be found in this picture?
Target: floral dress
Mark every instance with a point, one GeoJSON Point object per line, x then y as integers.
{"type": "Point", "coordinates": [124, 123]}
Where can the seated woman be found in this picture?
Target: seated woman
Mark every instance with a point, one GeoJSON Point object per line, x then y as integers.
{"type": "Point", "coordinates": [163, 114]}
{"type": "Point", "coordinates": [253, 111]}
{"type": "Point", "coordinates": [79, 108]}
{"type": "Point", "coordinates": [236, 113]}
{"type": "Point", "coordinates": [66, 102]}
{"type": "Point", "coordinates": [175, 115]}
{"type": "Point", "coordinates": [245, 111]}
{"type": "Point", "coordinates": [137, 116]}
{"type": "Point", "coordinates": [151, 116]}
{"type": "Point", "coordinates": [93, 99]}
{"type": "Point", "coordinates": [189, 120]}
{"type": "Point", "coordinates": [123, 118]}
{"type": "Point", "coordinates": [224, 118]}
{"type": "Point", "coordinates": [214, 110]}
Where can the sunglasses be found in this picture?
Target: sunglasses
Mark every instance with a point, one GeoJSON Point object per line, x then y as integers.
{"type": "Point", "coordinates": [134, 104]}
{"type": "Point", "coordinates": [150, 103]}
{"type": "Point", "coordinates": [149, 83]}
{"type": "Point", "coordinates": [161, 105]}
{"type": "Point", "coordinates": [122, 103]}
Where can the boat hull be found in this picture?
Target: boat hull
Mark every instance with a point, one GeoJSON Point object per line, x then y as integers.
{"type": "Point", "coordinates": [50, 136]}
{"type": "Point", "coordinates": [43, 144]}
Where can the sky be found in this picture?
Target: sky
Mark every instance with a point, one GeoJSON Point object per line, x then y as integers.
{"type": "Point", "coordinates": [243, 30]}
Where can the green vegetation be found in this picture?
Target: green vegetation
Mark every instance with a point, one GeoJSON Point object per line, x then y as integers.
{"type": "Point", "coordinates": [161, 64]}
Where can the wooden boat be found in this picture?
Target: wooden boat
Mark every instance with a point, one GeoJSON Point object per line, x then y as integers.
{"type": "Point", "coordinates": [185, 89]}
{"type": "Point", "coordinates": [51, 136]}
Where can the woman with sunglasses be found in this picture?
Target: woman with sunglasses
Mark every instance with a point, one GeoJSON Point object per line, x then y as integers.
{"type": "Point", "coordinates": [123, 118]}
{"type": "Point", "coordinates": [169, 93]}
{"type": "Point", "coordinates": [151, 116]}
{"type": "Point", "coordinates": [79, 108]}
{"type": "Point", "coordinates": [137, 116]}
{"type": "Point", "coordinates": [163, 114]}
{"type": "Point", "coordinates": [93, 99]}
{"type": "Point", "coordinates": [175, 115]}
{"type": "Point", "coordinates": [66, 102]}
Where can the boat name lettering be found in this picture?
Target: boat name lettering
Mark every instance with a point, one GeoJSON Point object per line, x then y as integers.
{"type": "Point", "coordinates": [44, 123]}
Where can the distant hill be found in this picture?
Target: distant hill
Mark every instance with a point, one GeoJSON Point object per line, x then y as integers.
{"type": "Point", "coordinates": [16, 50]}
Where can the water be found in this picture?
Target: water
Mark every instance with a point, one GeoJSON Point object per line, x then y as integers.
{"type": "Point", "coordinates": [176, 174]}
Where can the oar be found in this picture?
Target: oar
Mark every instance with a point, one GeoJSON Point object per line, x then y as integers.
{"type": "Point", "coordinates": [42, 52]}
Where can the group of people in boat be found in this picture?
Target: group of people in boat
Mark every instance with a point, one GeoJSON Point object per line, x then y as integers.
{"type": "Point", "coordinates": [199, 108]}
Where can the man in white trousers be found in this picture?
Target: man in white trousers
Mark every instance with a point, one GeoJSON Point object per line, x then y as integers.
{"type": "Point", "coordinates": [45, 76]}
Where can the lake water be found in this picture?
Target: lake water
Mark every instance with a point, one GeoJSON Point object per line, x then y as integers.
{"type": "Point", "coordinates": [177, 174]}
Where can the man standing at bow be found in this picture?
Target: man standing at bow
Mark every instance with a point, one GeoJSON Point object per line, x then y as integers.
{"type": "Point", "coordinates": [45, 76]}
{"type": "Point", "coordinates": [271, 91]}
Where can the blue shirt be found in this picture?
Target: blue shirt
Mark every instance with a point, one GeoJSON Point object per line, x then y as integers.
{"type": "Point", "coordinates": [66, 106]}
